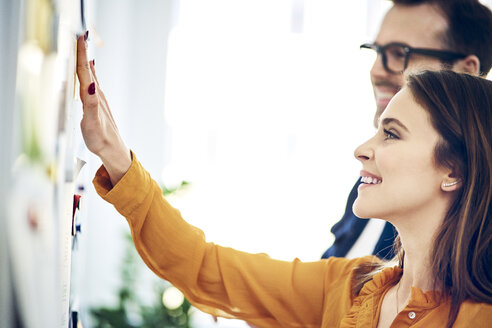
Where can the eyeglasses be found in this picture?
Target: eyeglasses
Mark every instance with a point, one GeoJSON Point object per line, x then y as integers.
{"type": "Point", "coordinates": [395, 55]}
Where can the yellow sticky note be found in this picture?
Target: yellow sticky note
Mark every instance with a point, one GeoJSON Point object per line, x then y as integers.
{"type": "Point", "coordinates": [75, 74]}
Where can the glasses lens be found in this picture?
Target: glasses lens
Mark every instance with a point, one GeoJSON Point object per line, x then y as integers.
{"type": "Point", "coordinates": [395, 58]}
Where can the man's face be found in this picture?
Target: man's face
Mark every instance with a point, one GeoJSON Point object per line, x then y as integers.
{"type": "Point", "coordinates": [420, 26]}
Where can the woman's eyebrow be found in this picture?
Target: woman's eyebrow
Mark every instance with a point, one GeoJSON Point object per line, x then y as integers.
{"type": "Point", "coordinates": [388, 120]}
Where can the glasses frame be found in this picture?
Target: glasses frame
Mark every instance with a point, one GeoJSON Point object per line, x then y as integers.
{"type": "Point", "coordinates": [443, 55]}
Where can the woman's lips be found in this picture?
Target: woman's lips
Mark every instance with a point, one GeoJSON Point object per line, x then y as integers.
{"type": "Point", "coordinates": [364, 173]}
{"type": "Point", "coordinates": [368, 179]}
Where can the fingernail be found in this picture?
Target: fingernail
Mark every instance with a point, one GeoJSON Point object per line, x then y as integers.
{"type": "Point", "coordinates": [86, 35]}
{"type": "Point", "coordinates": [92, 88]}
{"type": "Point", "coordinates": [94, 62]}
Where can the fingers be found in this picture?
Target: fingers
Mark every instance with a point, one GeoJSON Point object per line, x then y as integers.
{"type": "Point", "coordinates": [99, 92]}
{"type": "Point", "coordinates": [83, 70]}
{"type": "Point", "coordinates": [100, 100]}
{"type": "Point", "coordinates": [93, 70]}
{"type": "Point", "coordinates": [94, 102]}
{"type": "Point", "coordinates": [88, 87]}
{"type": "Point", "coordinates": [91, 102]}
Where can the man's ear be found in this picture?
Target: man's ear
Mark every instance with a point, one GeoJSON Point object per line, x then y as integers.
{"type": "Point", "coordinates": [470, 64]}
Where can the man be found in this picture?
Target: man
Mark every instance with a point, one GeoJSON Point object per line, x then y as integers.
{"type": "Point", "coordinates": [414, 35]}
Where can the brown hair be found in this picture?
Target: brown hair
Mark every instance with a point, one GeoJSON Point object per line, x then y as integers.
{"type": "Point", "coordinates": [469, 27]}
{"type": "Point", "coordinates": [460, 109]}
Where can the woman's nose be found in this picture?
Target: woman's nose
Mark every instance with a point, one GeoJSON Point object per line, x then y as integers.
{"type": "Point", "coordinates": [364, 152]}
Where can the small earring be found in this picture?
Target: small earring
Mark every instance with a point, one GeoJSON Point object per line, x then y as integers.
{"type": "Point", "coordinates": [449, 184]}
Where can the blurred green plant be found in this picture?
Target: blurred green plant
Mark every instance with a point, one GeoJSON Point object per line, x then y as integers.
{"type": "Point", "coordinates": [168, 191]}
{"type": "Point", "coordinates": [130, 311]}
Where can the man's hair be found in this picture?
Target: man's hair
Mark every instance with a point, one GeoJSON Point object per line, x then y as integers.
{"type": "Point", "coordinates": [469, 27]}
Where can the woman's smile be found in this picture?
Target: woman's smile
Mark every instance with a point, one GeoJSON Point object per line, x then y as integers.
{"type": "Point", "coordinates": [368, 179]}
{"type": "Point", "coordinates": [401, 151]}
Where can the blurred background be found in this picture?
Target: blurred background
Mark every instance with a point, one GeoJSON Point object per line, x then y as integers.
{"type": "Point", "coordinates": [246, 112]}
{"type": "Point", "coordinates": [257, 104]}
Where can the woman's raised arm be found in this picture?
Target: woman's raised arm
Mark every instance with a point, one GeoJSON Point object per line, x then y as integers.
{"type": "Point", "coordinates": [99, 129]}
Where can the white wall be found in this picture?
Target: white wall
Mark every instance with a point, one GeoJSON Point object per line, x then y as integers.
{"type": "Point", "coordinates": [128, 41]}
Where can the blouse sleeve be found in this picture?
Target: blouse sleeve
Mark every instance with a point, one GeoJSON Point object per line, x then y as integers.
{"type": "Point", "coordinates": [218, 280]}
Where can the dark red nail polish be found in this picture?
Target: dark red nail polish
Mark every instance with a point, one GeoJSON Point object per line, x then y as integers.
{"type": "Point", "coordinates": [86, 35]}
{"type": "Point", "coordinates": [92, 88]}
{"type": "Point", "coordinates": [94, 62]}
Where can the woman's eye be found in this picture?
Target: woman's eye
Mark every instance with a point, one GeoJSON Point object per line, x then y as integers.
{"type": "Point", "coordinates": [389, 135]}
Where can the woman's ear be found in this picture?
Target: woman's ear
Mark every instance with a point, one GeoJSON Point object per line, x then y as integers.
{"type": "Point", "coordinates": [470, 64]}
{"type": "Point", "coordinates": [451, 185]}
{"type": "Point", "coordinates": [451, 182]}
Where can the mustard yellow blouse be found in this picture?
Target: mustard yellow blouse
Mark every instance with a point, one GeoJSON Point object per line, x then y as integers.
{"type": "Point", "coordinates": [253, 287]}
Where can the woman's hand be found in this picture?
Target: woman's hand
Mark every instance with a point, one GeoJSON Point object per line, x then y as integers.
{"type": "Point", "coordinates": [98, 126]}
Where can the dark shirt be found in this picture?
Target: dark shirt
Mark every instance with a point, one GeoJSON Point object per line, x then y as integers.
{"type": "Point", "coordinates": [349, 229]}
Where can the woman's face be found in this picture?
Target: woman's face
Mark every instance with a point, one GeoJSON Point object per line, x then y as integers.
{"type": "Point", "coordinates": [398, 169]}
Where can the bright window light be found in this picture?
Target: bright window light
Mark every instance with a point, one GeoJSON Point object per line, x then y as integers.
{"type": "Point", "coordinates": [265, 103]}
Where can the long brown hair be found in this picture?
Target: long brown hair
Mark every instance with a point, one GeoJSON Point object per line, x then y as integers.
{"type": "Point", "coordinates": [460, 108]}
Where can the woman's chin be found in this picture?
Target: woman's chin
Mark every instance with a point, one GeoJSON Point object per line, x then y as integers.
{"type": "Point", "coordinates": [361, 211]}
{"type": "Point", "coordinates": [362, 215]}
{"type": "Point", "coordinates": [367, 213]}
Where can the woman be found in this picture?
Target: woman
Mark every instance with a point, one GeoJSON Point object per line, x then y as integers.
{"type": "Point", "coordinates": [428, 170]}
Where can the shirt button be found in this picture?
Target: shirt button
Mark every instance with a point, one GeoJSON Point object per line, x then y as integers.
{"type": "Point", "coordinates": [411, 315]}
